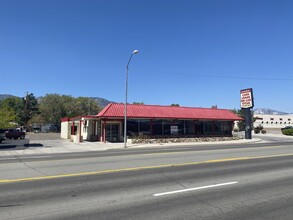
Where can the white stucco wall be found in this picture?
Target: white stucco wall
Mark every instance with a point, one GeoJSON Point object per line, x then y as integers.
{"type": "Point", "coordinates": [273, 121]}
{"type": "Point", "coordinates": [65, 130]}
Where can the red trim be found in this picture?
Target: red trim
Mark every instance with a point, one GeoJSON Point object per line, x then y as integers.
{"type": "Point", "coordinates": [65, 119]}
{"type": "Point", "coordinates": [72, 128]}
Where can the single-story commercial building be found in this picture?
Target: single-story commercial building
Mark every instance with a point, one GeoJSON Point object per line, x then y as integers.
{"type": "Point", "coordinates": [149, 120]}
{"type": "Point", "coordinates": [273, 121]}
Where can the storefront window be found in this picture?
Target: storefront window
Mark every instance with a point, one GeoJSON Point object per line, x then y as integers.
{"type": "Point", "coordinates": [157, 127]}
{"type": "Point", "coordinates": [132, 127]}
{"type": "Point", "coordinates": [144, 127]}
{"type": "Point", "coordinates": [137, 127]}
{"type": "Point", "coordinates": [218, 127]}
{"type": "Point", "coordinates": [189, 127]}
{"type": "Point", "coordinates": [179, 126]}
{"type": "Point", "coordinates": [198, 127]}
{"type": "Point", "coordinates": [207, 127]}
{"type": "Point", "coordinates": [167, 126]}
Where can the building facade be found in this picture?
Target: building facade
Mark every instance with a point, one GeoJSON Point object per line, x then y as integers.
{"type": "Point", "coordinates": [149, 120]}
{"type": "Point", "coordinates": [273, 121]}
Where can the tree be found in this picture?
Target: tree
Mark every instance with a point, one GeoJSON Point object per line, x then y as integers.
{"type": "Point", "coordinates": [84, 106]}
{"type": "Point", "coordinates": [240, 124]}
{"type": "Point", "coordinates": [7, 117]}
{"type": "Point", "coordinates": [25, 108]}
{"type": "Point", "coordinates": [175, 105]}
{"type": "Point", "coordinates": [36, 120]}
{"type": "Point", "coordinates": [31, 107]}
{"type": "Point", "coordinates": [16, 105]}
{"type": "Point", "coordinates": [138, 103]}
{"type": "Point", "coordinates": [53, 107]}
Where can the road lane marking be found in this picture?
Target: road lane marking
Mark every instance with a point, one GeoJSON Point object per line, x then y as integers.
{"type": "Point", "coordinates": [196, 188]}
{"type": "Point", "coordinates": [140, 168]}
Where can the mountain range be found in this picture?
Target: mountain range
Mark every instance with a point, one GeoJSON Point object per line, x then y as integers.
{"type": "Point", "coordinates": [101, 101]}
{"type": "Point", "coordinates": [5, 96]}
{"type": "Point", "coordinates": [268, 111]}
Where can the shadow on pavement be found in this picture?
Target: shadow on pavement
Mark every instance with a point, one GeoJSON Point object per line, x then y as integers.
{"type": "Point", "coordinates": [18, 144]}
{"type": "Point", "coordinates": [33, 145]}
{"type": "Point", "coordinates": [7, 146]}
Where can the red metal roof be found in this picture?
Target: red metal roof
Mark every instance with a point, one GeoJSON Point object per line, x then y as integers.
{"type": "Point", "coordinates": [115, 110]}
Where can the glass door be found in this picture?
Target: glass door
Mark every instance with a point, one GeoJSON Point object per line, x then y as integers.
{"type": "Point", "coordinates": [112, 132]}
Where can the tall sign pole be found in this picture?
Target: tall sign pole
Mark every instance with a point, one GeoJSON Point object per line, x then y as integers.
{"type": "Point", "coordinates": [247, 103]}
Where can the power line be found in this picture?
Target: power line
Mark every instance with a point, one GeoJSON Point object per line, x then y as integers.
{"type": "Point", "coordinates": [212, 75]}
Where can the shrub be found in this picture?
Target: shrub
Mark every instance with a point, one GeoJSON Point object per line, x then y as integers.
{"type": "Point", "coordinates": [263, 131]}
{"type": "Point", "coordinates": [258, 129]}
{"type": "Point", "coordinates": [288, 131]}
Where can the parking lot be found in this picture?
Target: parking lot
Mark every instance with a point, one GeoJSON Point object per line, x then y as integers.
{"type": "Point", "coordinates": [30, 137]}
{"type": "Point", "coordinates": [43, 136]}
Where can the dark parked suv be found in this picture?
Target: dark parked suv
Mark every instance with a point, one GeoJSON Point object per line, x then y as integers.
{"type": "Point", "coordinates": [14, 133]}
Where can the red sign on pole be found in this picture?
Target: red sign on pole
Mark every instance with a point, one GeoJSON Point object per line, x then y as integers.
{"type": "Point", "coordinates": [246, 97]}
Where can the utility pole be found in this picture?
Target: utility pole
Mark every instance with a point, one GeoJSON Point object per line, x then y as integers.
{"type": "Point", "coordinates": [89, 103]}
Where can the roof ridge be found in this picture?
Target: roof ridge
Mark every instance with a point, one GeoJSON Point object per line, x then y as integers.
{"type": "Point", "coordinates": [105, 109]}
{"type": "Point", "coordinates": [171, 106]}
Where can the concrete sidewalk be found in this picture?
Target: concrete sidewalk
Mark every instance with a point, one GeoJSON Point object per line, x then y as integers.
{"type": "Point", "coordinates": [37, 147]}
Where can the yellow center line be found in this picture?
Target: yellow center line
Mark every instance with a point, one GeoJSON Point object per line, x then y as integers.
{"type": "Point", "coordinates": [139, 168]}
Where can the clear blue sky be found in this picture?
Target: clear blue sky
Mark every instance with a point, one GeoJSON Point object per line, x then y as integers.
{"type": "Point", "coordinates": [192, 52]}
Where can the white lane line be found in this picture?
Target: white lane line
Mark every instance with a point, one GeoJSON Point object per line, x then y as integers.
{"type": "Point", "coordinates": [197, 188]}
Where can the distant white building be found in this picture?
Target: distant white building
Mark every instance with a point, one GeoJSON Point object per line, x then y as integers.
{"type": "Point", "coordinates": [273, 121]}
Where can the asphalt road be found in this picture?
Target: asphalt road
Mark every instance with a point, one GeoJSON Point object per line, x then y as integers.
{"type": "Point", "coordinates": [204, 182]}
{"type": "Point", "coordinates": [241, 189]}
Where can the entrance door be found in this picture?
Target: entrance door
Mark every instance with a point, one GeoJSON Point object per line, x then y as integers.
{"type": "Point", "coordinates": [112, 132]}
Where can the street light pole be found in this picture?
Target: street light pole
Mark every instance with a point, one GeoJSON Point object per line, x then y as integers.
{"type": "Point", "coordinates": [126, 93]}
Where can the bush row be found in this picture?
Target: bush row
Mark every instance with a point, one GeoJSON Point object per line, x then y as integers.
{"type": "Point", "coordinates": [288, 132]}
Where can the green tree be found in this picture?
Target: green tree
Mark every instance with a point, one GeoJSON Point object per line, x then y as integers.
{"type": "Point", "coordinates": [31, 107]}
{"type": "Point", "coordinates": [16, 105]}
{"type": "Point", "coordinates": [25, 108]}
{"type": "Point", "coordinates": [7, 117]}
{"type": "Point", "coordinates": [138, 103]}
{"type": "Point", "coordinates": [84, 106]}
{"type": "Point", "coordinates": [36, 120]}
{"type": "Point", "coordinates": [53, 107]}
{"type": "Point", "coordinates": [240, 124]}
